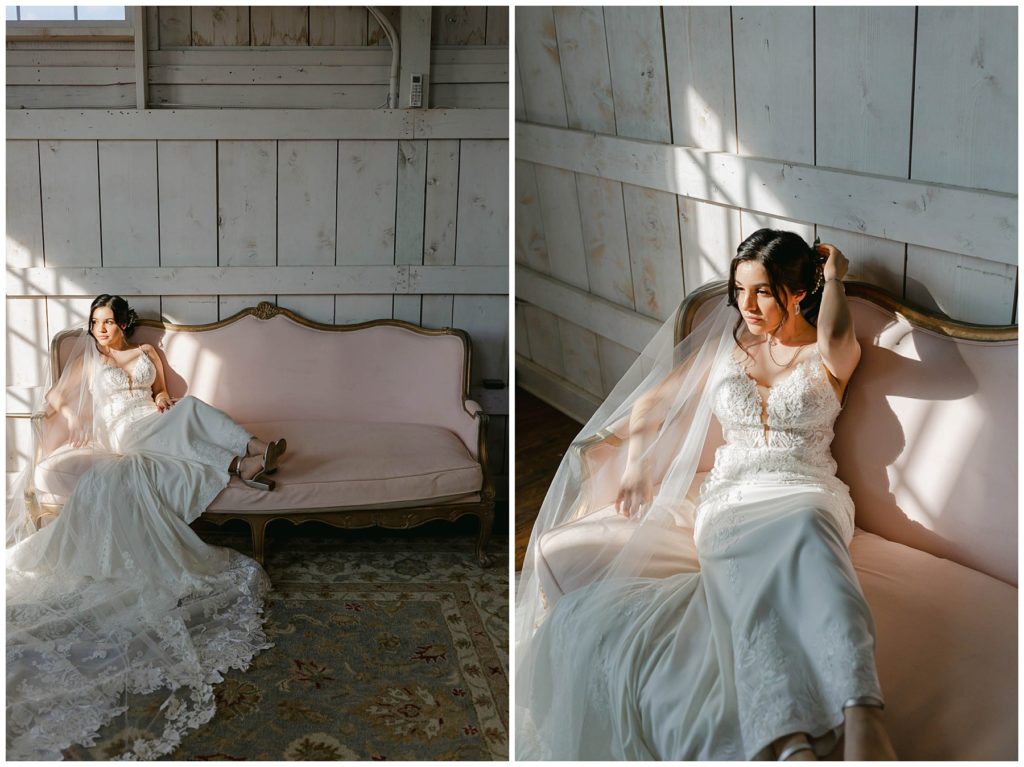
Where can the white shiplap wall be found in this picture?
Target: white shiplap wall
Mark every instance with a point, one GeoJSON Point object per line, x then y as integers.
{"type": "Point", "coordinates": [652, 141]}
{"type": "Point", "coordinates": [342, 215]}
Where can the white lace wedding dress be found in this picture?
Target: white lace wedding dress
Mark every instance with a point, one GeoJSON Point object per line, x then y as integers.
{"type": "Point", "coordinates": [771, 636]}
{"type": "Point", "coordinates": [117, 608]}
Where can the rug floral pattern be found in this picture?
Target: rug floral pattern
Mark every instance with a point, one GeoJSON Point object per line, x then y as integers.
{"type": "Point", "coordinates": [387, 646]}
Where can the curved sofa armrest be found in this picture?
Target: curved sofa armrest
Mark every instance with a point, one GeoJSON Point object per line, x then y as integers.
{"type": "Point", "coordinates": [602, 459]}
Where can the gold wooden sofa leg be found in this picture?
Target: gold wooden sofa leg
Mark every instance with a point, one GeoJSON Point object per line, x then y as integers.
{"type": "Point", "coordinates": [486, 518]}
{"type": "Point", "coordinates": [259, 529]}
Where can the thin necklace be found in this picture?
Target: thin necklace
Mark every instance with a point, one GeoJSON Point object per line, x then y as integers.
{"type": "Point", "coordinates": [792, 359]}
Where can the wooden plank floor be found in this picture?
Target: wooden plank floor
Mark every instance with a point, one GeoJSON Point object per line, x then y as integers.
{"type": "Point", "coordinates": [543, 434]}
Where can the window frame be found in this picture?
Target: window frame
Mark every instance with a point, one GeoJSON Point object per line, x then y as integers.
{"type": "Point", "coordinates": [58, 30]}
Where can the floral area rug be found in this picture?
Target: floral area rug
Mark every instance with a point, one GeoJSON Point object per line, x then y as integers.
{"type": "Point", "coordinates": [388, 645]}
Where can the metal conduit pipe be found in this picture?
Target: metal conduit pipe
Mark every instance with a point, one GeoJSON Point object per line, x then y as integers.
{"type": "Point", "coordinates": [392, 36]}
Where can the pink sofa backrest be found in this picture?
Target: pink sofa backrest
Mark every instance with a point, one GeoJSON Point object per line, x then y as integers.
{"type": "Point", "coordinates": [927, 440]}
{"type": "Point", "coordinates": [281, 369]}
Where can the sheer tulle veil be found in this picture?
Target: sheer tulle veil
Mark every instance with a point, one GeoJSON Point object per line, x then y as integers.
{"type": "Point", "coordinates": [669, 380]}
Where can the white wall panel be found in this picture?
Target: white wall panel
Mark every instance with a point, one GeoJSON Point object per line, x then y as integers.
{"type": "Point", "coordinates": [71, 204]}
{"type": "Point", "coordinates": [367, 185]}
{"type": "Point", "coordinates": [583, 50]}
{"type": "Point", "coordinates": [128, 194]}
{"type": "Point", "coordinates": [188, 202]}
{"type": "Point", "coordinates": [247, 202]}
{"type": "Point", "coordinates": [307, 206]}
{"type": "Point", "coordinates": [24, 206]}
{"type": "Point", "coordinates": [482, 236]}
{"type": "Point", "coordinates": [636, 57]}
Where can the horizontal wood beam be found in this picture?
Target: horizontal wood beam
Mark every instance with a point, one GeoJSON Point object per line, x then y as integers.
{"type": "Point", "coordinates": [956, 219]}
{"type": "Point", "coordinates": [561, 394]}
{"type": "Point", "coordinates": [629, 329]}
{"type": "Point", "coordinates": [253, 124]}
{"type": "Point", "coordinates": [261, 280]}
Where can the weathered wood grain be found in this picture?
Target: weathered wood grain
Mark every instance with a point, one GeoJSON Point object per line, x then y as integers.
{"type": "Point", "coordinates": [247, 204]}
{"type": "Point", "coordinates": [71, 205]}
{"type": "Point", "coordinates": [367, 186]}
{"type": "Point", "coordinates": [636, 59]}
{"type": "Point", "coordinates": [128, 211]}
{"type": "Point", "coordinates": [24, 205]}
{"type": "Point", "coordinates": [188, 202]}
{"type": "Point", "coordinates": [482, 235]}
{"type": "Point", "coordinates": [583, 52]}
{"type": "Point", "coordinates": [307, 206]}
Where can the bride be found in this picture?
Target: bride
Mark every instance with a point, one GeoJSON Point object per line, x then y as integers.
{"type": "Point", "coordinates": [655, 625]}
{"type": "Point", "coordinates": [116, 607]}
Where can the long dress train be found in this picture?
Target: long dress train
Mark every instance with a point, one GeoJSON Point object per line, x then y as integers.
{"type": "Point", "coordinates": [117, 605]}
{"type": "Point", "coordinates": [769, 634]}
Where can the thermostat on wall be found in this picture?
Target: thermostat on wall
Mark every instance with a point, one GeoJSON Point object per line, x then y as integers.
{"type": "Point", "coordinates": [416, 91]}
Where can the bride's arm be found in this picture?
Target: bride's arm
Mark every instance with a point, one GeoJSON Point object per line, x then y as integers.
{"type": "Point", "coordinates": [837, 342]}
{"type": "Point", "coordinates": [59, 402]}
{"type": "Point", "coordinates": [160, 395]}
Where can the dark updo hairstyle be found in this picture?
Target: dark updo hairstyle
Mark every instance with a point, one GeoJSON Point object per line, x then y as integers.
{"type": "Point", "coordinates": [791, 264]}
{"type": "Point", "coordinates": [124, 315]}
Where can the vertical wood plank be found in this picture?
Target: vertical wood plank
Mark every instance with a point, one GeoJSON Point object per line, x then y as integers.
{"type": "Point", "coordinates": [520, 105]}
{"type": "Point", "coordinates": [709, 235]}
{"type": "Point", "coordinates": [864, 64]}
{"type": "Point", "coordinates": [351, 309]}
{"type": "Point", "coordinates": [482, 236]}
{"type": "Point", "coordinates": [147, 307]}
{"type": "Point", "coordinates": [581, 362]}
{"type": "Point", "coordinates": [230, 305]}
{"type": "Point", "coordinates": [412, 176]}
{"type": "Point", "coordinates": [175, 26]}
{"type": "Point", "coordinates": [442, 202]}
{"type": "Point", "coordinates": [152, 27]}
{"type": "Point", "coordinates": [188, 203]}
{"type": "Point", "coordinates": [24, 205]}
{"type": "Point", "coordinates": [700, 77]}
{"type": "Point", "coordinates": [337, 25]}
{"type": "Point", "coordinates": [71, 204]}
{"type": "Point", "coordinates": [63, 312]}
{"type": "Point", "coordinates": [563, 229]}
{"type": "Point", "coordinates": [415, 58]}
{"type": "Point", "coordinates": [189, 310]}
{"type": "Point", "coordinates": [279, 24]}
{"type": "Point", "coordinates": [530, 245]}
{"type": "Point", "coordinates": [774, 88]}
{"type": "Point", "coordinates": [545, 339]}
{"type": "Point", "coordinates": [615, 361]}
{"type": "Point", "coordinates": [375, 33]}
{"type": "Point", "coordinates": [485, 318]}
{"type": "Point", "coordinates": [247, 208]}
{"type": "Point", "coordinates": [965, 97]}
{"type": "Point", "coordinates": [220, 25]}
{"type": "Point", "coordinates": [128, 215]}
{"type": "Point", "coordinates": [437, 311]}
{"type": "Point", "coordinates": [751, 221]}
{"type": "Point", "coordinates": [872, 259]}
{"type": "Point", "coordinates": [307, 184]}
{"type": "Point", "coordinates": [26, 355]}
{"type": "Point", "coordinates": [539, 66]}
{"type": "Point", "coordinates": [316, 308]}
{"type": "Point", "coordinates": [19, 443]}
{"type": "Point", "coordinates": [583, 52]}
{"type": "Point", "coordinates": [965, 288]}
{"type": "Point", "coordinates": [367, 186]}
{"type": "Point", "coordinates": [522, 333]}
{"type": "Point", "coordinates": [636, 58]}
{"type": "Point", "coordinates": [497, 25]}
{"type": "Point", "coordinates": [604, 237]}
{"type": "Point", "coordinates": [459, 25]}
{"type": "Point", "coordinates": [652, 227]}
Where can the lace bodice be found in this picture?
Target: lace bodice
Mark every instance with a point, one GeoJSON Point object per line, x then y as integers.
{"type": "Point", "coordinates": [784, 438]}
{"type": "Point", "coordinates": [123, 397]}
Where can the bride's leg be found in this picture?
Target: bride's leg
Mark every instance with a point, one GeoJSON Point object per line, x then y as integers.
{"type": "Point", "coordinates": [251, 465]}
{"type": "Point", "coordinates": [256, 446]}
{"type": "Point", "coordinates": [795, 747]}
{"type": "Point", "coordinates": [865, 735]}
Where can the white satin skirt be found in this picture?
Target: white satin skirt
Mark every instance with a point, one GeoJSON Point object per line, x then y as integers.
{"type": "Point", "coordinates": [771, 636]}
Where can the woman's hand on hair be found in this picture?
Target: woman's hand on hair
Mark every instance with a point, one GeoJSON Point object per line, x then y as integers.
{"type": "Point", "coordinates": [635, 491]}
{"type": "Point", "coordinates": [836, 264]}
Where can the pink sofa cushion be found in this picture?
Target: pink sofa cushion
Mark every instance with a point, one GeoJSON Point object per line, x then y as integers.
{"type": "Point", "coordinates": [947, 634]}
{"type": "Point", "coordinates": [946, 652]}
{"type": "Point", "coordinates": [330, 464]}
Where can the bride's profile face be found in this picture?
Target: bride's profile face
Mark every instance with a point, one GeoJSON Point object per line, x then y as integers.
{"type": "Point", "coordinates": [104, 328]}
{"type": "Point", "coordinates": [761, 312]}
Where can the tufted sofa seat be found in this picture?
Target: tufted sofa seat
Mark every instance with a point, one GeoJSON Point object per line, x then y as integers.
{"type": "Point", "coordinates": [379, 425]}
{"type": "Point", "coordinates": [927, 442]}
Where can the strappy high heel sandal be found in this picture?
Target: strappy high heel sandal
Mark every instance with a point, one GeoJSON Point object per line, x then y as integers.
{"type": "Point", "coordinates": [258, 481]}
{"type": "Point", "coordinates": [794, 749]}
{"type": "Point", "coordinates": [271, 455]}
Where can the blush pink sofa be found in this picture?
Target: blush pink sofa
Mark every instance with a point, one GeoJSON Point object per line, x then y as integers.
{"type": "Point", "coordinates": [380, 427]}
{"type": "Point", "coordinates": [927, 442]}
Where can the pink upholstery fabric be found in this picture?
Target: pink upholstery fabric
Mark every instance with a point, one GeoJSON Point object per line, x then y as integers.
{"type": "Point", "coordinates": [331, 464]}
{"type": "Point", "coordinates": [946, 652]}
{"type": "Point", "coordinates": [255, 370]}
{"type": "Point", "coordinates": [927, 442]}
{"type": "Point", "coordinates": [947, 635]}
